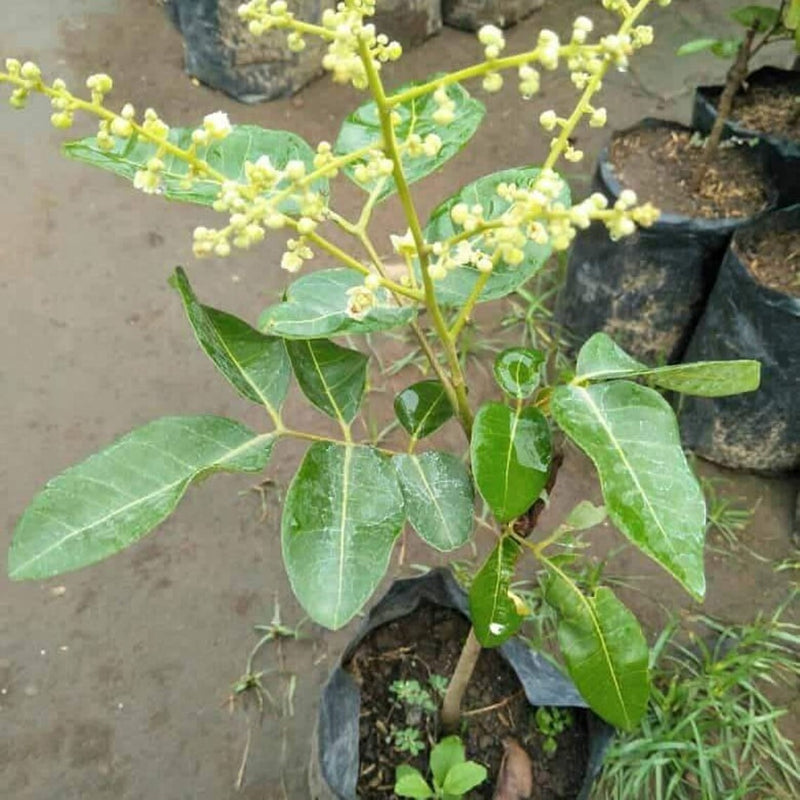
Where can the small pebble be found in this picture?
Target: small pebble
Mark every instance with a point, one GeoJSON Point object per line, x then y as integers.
{"type": "Point", "coordinates": [30, 690]}
{"type": "Point", "coordinates": [58, 591]}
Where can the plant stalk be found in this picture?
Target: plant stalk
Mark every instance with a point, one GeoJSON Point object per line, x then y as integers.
{"type": "Point", "coordinates": [733, 82]}
{"type": "Point", "coordinates": [451, 707]}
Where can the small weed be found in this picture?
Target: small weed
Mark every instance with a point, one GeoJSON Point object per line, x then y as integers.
{"type": "Point", "coordinates": [407, 740]}
{"type": "Point", "coordinates": [726, 516]}
{"type": "Point", "coordinates": [551, 722]}
{"type": "Point", "coordinates": [411, 693]}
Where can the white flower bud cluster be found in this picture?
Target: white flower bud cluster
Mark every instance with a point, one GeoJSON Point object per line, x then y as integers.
{"type": "Point", "coordinates": [493, 41]}
{"type": "Point", "coordinates": [297, 251]}
{"type": "Point", "coordinates": [459, 255]}
{"type": "Point", "coordinates": [445, 107]}
{"type": "Point", "coordinates": [415, 146]}
{"type": "Point", "coordinates": [549, 49]}
{"type": "Point", "coordinates": [375, 167]}
{"type": "Point", "coordinates": [30, 75]}
{"type": "Point", "coordinates": [149, 178]}
{"type": "Point", "coordinates": [215, 127]}
{"type": "Point", "coordinates": [254, 206]}
{"type": "Point", "coordinates": [343, 28]}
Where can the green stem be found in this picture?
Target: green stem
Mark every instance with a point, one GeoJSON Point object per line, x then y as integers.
{"type": "Point", "coordinates": [461, 404]}
{"type": "Point", "coordinates": [346, 442]}
{"type": "Point", "coordinates": [595, 82]}
{"type": "Point", "coordinates": [356, 265]}
{"type": "Point", "coordinates": [466, 309]}
{"type": "Point", "coordinates": [481, 68]}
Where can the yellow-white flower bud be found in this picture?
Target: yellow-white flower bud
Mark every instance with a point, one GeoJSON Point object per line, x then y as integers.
{"type": "Point", "coordinates": [548, 120]}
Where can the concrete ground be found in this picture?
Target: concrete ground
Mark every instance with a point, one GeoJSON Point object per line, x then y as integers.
{"type": "Point", "coordinates": [114, 679]}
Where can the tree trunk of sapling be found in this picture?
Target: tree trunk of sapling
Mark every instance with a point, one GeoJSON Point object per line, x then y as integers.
{"type": "Point", "coordinates": [524, 526]}
{"type": "Point", "coordinates": [733, 82]}
{"type": "Point", "coordinates": [451, 707]}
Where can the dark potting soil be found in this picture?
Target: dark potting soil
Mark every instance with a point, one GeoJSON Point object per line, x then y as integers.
{"type": "Point", "coordinates": [660, 164]}
{"type": "Point", "coordinates": [773, 257]}
{"type": "Point", "coordinates": [769, 109]}
{"type": "Point", "coordinates": [428, 642]}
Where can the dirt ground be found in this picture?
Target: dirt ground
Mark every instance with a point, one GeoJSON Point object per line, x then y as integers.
{"type": "Point", "coordinates": [113, 680]}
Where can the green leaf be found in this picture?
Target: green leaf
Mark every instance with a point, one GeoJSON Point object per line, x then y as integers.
{"type": "Point", "coordinates": [604, 650]}
{"type": "Point", "coordinates": [763, 17]}
{"type": "Point", "coordinates": [517, 371]}
{"type": "Point", "coordinates": [696, 46]}
{"type": "Point", "coordinates": [601, 359]}
{"type": "Point", "coordinates": [726, 48]}
{"type": "Point", "coordinates": [438, 497]}
{"type": "Point", "coordinates": [652, 496]}
{"type": "Point", "coordinates": [446, 755]}
{"type": "Point", "coordinates": [342, 515]}
{"type": "Point", "coordinates": [255, 365]}
{"type": "Point", "coordinates": [115, 497]}
{"type": "Point", "coordinates": [463, 777]}
{"type": "Point", "coordinates": [791, 15]}
{"type": "Point", "coordinates": [331, 377]}
{"type": "Point", "coordinates": [410, 783]}
{"type": "Point", "coordinates": [315, 307]}
{"type": "Point", "coordinates": [454, 289]}
{"type": "Point", "coordinates": [511, 451]}
{"type": "Point", "coordinates": [363, 128]}
{"type": "Point", "coordinates": [228, 156]}
{"type": "Point", "coordinates": [422, 408]}
{"type": "Point", "coordinates": [494, 613]}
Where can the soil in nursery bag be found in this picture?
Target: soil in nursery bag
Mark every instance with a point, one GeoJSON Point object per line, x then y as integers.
{"type": "Point", "coordinates": [766, 110]}
{"type": "Point", "coordinates": [753, 312]}
{"type": "Point", "coordinates": [427, 642]}
{"type": "Point", "coordinates": [647, 290]}
{"type": "Point", "coordinates": [660, 165]}
{"type": "Point", "coordinates": [337, 761]}
{"type": "Point", "coordinates": [774, 260]}
{"type": "Point", "coordinates": [772, 109]}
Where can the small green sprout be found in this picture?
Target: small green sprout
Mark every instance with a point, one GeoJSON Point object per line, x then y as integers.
{"type": "Point", "coordinates": [453, 775]}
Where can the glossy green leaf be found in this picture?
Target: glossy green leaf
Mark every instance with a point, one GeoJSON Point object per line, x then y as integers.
{"type": "Point", "coordinates": [604, 650]}
{"type": "Point", "coordinates": [517, 371]}
{"type": "Point", "coordinates": [444, 756]}
{"type": "Point", "coordinates": [115, 497]}
{"type": "Point", "coordinates": [423, 408]}
{"type": "Point", "coordinates": [456, 287]}
{"type": "Point", "coordinates": [410, 783]}
{"type": "Point", "coordinates": [601, 359]}
{"type": "Point", "coordinates": [763, 17]}
{"type": "Point", "coordinates": [464, 777]}
{"type": "Point", "coordinates": [362, 128]}
{"type": "Point", "coordinates": [341, 517]}
{"type": "Point", "coordinates": [331, 377]}
{"type": "Point", "coordinates": [438, 497]}
{"type": "Point", "coordinates": [511, 451]}
{"type": "Point", "coordinates": [315, 307]}
{"type": "Point", "coordinates": [652, 496]}
{"type": "Point", "coordinates": [228, 156]}
{"type": "Point", "coordinates": [696, 46]}
{"type": "Point", "coordinates": [495, 617]}
{"type": "Point", "coordinates": [255, 365]}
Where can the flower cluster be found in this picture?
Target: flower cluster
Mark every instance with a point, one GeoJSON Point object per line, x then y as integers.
{"type": "Point", "coordinates": [343, 28]}
{"type": "Point", "coordinates": [534, 213]}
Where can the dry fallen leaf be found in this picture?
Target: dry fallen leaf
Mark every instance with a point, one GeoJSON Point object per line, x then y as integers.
{"type": "Point", "coordinates": [515, 781]}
